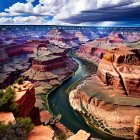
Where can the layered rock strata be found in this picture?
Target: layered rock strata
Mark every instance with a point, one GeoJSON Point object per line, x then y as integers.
{"type": "Point", "coordinates": [24, 97]}
{"type": "Point", "coordinates": [11, 70]}
{"type": "Point", "coordinates": [49, 68]}
{"type": "Point", "coordinates": [137, 128]}
{"type": "Point", "coordinates": [110, 99]}
{"type": "Point", "coordinates": [95, 50]}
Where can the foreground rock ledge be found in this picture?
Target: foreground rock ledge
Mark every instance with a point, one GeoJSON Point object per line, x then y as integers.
{"type": "Point", "coordinates": [81, 135]}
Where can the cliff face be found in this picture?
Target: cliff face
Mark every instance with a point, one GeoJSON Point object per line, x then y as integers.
{"type": "Point", "coordinates": [19, 49]}
{"type": "Point", "coordinates": [118, 120]}
{"type": "Point", "coordinates": [25, 98]}
{"type": "Point", "coordinates": [110, 99]}
{"type": "Point", "coordinates": [81, 37]}
{"type": "Point", "coordinates": [50, 66]}
{"type": "Point", "coordinates": [120, 69]}
{"type": "Point", "coordinates": [60, 35]}
{"type": "Point", "coordinates": [10, 71]}
{"type": "Point", "coordinates": [95, 50]}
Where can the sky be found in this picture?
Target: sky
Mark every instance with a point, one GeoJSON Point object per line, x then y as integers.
{"type": "Point", "coordinates": [70, 12]}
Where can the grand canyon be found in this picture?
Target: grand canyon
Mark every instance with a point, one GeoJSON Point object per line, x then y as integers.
{"type": "Point", "coordinates": [69, 83]}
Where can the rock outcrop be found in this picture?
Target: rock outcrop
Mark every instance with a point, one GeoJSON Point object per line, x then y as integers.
{"type": "Point", "coordinates": [80, 135]}
{"type": "Point", "coordinates": [24, 97]}
{"type": "Point", "coordinates": [17, 49]}
{"type": "Point", "coordinates": [60, 35]}
{"type": "Point", "coordinates": [41, 133]}
{"type": "Point", "coordinates": [95, 50]}
{"type": "Point", "coordinates": [7, 117]}
{"type": "Point", "coordinates": [137, 128]}
{"type": "Point", "coordinates": [110, 99]}
{"type": "Point", "coordinates": [120, 69]}
{"type": "Point", "coordinates": [11, 70]}
{"type": "Point", "coordinates": [81, 37]}
{"type": "Point", "coordinates": [49, 67]}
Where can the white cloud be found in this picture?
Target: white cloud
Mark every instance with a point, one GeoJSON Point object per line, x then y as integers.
{"type": "Point", "coordinates": [60, 9]}
{"type": "Point", "coordinates": [20, 8]}
{"type": "Point", "coordinates": [5, 14]}
{"type": "Point", "coordinates": [27, 8]}
{"type": "Point", "coordinates": [28, 20]}
{"type": "Point", "coordinates": [6, 21]}
{"type": "Point", "coordinates": [23, 20]}
{"type": "Point", "coordinates": [72, 7]}
{"type": "Point", "coordinates": [104, 3]}
{"type": "Point", "coordinates": [132, 5]}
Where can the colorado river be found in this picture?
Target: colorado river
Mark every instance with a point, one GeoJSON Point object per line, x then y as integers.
{"type": "Point", "coordinates": [59, 104]}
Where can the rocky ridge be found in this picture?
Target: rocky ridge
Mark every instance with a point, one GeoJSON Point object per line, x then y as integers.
{"type": "Point", "coordinates": [110, 99]}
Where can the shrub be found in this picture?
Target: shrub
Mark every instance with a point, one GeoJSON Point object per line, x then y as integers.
{"type": "Point", "coordinates": [16, 131]}
{"type": "Point", "coordinates": [58, 118]}
{"type": "Point", "coordinates": [25, 124]}
{"type": "Point", "coordinates": [20, 80]}
{"type": "Point", "coordinates": [7, 100]}
{"type": "Point", "coordinates": [19, 89]}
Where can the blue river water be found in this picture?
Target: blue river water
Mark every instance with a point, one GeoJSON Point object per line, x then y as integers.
{"type": "Point", "coordinates": [59, 104]}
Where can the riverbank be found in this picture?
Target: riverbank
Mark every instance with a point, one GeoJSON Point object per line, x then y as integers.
{"type": "Point", "coordinates": [46, 96]}
{"type": "Point", "coordinates": [99, 127]}
{"type": "Point", "coordinates": [59, 103]}
{"type": "Point", "coordinates": [106, 118]}
{"type": "Point", "coordinates": [91, 66]}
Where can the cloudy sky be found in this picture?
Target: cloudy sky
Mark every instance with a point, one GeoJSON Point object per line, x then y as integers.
{"type": "Point", "coordinates": [71, 12]}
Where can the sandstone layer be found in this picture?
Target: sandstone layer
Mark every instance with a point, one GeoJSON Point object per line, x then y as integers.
{"type": "Point", "coordinates": [110, 99]}
{"type": "Point", "coordinates": [49, 68]}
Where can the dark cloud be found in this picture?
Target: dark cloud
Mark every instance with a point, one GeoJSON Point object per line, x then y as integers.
{"type": "Point", "coordinates": [118, 13]}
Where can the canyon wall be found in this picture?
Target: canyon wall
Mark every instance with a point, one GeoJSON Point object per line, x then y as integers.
{"type": "Point", "coordinates": [110, 99]}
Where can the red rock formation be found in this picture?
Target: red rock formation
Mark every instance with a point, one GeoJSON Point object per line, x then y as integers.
{"type": "Point", "coordinates": [94, 51]}
{"type": "Point", "coordinates": [120, 69]}
{"type": "Point", "coordinates": [137, 128]}
{"type": "Point", "coordinates": [117, 119]}
{"type": "Point", "coordinates": [114, 38]}
{"type": "Point", "coordinates": [50, 65]}
{"type": "Point", "coordinates": [60, 35]}
{"type": "Point", "coordinates": [112, 97]}
{"type": "Point", "coordinates": [16, 49]}
{"type": "Point", "coordinates": [81, 37]}
{"type": "Point", "coordinates": [25, 98]}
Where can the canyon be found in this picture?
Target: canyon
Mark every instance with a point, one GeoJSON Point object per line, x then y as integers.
{"type": "Point", "coordinates": [109, 99]}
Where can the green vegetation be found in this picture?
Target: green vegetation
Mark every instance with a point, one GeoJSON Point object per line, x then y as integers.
{"type": "Point", "coordinates": [7, 100]}
{"type": "Point", "coordinates": [16, 131]}
{"type": "Point", "coordinates": [25, 124]}
{"type": "Point", "coordinates": [46, 104]}
{"type": "Point", "coordinates": [58, 117]}
{"type": "Point", "coordinates": [19, 89]}
{"type": "Point", "coordinates": [61, 136]}
{"type": "Point", "coordinates": [19, 81]}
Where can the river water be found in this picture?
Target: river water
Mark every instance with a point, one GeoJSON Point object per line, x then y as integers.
{"type": "Point", "coordinates": [59, 103]}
